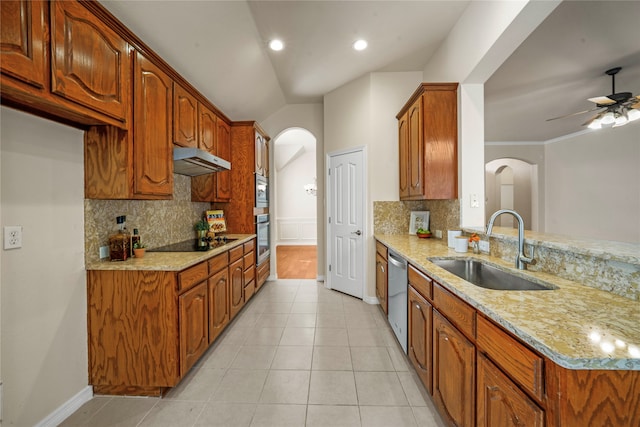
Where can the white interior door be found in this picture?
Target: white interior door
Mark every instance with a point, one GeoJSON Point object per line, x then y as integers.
{"type": "Point", "coordinates": [346, 222]}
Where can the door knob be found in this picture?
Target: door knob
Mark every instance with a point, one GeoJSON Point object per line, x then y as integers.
{"type": "Point", "coordinates": [357, 232]}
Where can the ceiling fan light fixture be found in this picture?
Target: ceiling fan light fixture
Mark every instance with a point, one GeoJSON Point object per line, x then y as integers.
{"type": "Point", "coordinates": [633, 114]}
{"type": "Point", "coordinates": [621, 120]}
{"type": "Point", "coordinates": [608, 118]}
{"type": "Point", "coordinates": [595, 124]}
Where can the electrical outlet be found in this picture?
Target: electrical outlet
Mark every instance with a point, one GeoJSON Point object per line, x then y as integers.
{"type": "Point", "coordinates": [104, 251]}
{"type": "Point", "coordinates": [483, 245]}
{"type": "Point", "coordinates": [13, 237]}
{"type": "Point", "coordinates": [438, 234]}
{"type": "Point", "coordinates": [475, 203]}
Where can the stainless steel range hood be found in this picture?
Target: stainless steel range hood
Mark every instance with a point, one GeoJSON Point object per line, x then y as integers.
{"type": "Point", "coordinates": [194, 162]}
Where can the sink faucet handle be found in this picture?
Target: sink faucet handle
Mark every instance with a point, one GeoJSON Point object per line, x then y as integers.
{"type": "Point", "coordinates": [529, 259]}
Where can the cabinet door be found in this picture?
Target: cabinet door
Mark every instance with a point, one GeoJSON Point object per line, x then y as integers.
{"type": "Point", "coordinates": [194, 326]}
{"type": "Point", "coordinates": [381, 281]}
{"type": "Point", "coordinates": [420, 343]}
{"type": "Point", "coordinates": [259, 154]}
{"type": "Point", "coordinates": [153, 149]}
{"type": "Point", "coordinates": [454, 360]}
{"type": "Point", "coordinates": [89, 61]}
{"type": "Point", "coordinates": [416, 179]}
{"type": "Point", "coordinates": [208, 130]}
{"type": "Point", "coordinates": [22, 54]}
{"type": "Point", "coordinates": [185, 118]}
{"type": "Point", "coordinates": [236, 274]}
{"type": "Point", "coordinates": [403, 140]}
{"type": "Point", "coordinates": [500, 401]}
{"type": "Point", "coordinates": [218, 303]}
{"type": "Point", "coordinates": [223, 179]}
{"type": "Point", "coordinates": [440, 144]}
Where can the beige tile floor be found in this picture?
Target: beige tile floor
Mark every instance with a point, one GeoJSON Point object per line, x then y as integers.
{"type": "Point", "coordinates": [297, 355]}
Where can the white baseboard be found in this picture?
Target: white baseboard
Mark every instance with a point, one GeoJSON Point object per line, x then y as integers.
{"type": "Point", "coordinates": [67, 409]}
{"type": "Point", "coordinates": [371, 300]}
{"type": "Point", "coordinates": [320, 278]}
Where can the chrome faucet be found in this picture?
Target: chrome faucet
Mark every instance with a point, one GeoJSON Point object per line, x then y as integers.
{"type": "Point", "coordinates": [521, 258]}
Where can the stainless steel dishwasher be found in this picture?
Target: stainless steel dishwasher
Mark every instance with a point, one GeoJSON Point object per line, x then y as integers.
{"type": "Point", "coordinates": [397, 295]}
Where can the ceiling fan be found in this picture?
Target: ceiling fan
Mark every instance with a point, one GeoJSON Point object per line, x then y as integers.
{"type": "Point", "coordinates": [617, 108]}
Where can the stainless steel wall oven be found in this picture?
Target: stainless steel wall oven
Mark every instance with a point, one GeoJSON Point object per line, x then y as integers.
{"type": "Point", "coordinates": [264, 239]}
{"type": "Point", "coordinates": [262, 191]}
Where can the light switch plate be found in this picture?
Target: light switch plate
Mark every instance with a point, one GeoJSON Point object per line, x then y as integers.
{"type": "Point", "coordinates": [475, 203]}
{"type": "Point", "coordinates": [12, 236]}
{"type": "Point", "coordinates": [104, 251]}
{"type": "Point", "coordinates": [438, 234]}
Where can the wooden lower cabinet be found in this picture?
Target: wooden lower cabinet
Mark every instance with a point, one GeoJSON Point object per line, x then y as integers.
{"type": "Point", "coordinates": [146, 329]}
{"type": "Point", "coordinates": [218, 303]}
{"type": "Point", "coordinates": [501, 403]}
{"type": "Point", "coordinates": [236, 284]}
{"type": "Point", "coordinates": [454, 365]}
{"type": "Point", "coordinates": [194, 326]}
{"type": "Point", "coordinates": [133, 340]}
{"type": "Point", "coordinates": [420, 333]}
{"type": "Point", "coordinates": [262, 273]}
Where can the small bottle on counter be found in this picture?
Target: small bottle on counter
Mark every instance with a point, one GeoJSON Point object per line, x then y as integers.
{"type": "Point", "coordinates": [135, 238]}
{"type": "Point", "coordinates": [119, 242]}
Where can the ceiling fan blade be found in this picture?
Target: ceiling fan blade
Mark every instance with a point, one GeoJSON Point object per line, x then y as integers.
{"type": "Point", "coordinates": [573, 114]}
{"type": "Point", "coordinates": [602, 100]}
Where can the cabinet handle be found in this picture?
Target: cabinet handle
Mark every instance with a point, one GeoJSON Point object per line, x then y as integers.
{"type": "Point", "coordinates": [418, 307]}
{"type": "Point", "coordinates": [382, 268]}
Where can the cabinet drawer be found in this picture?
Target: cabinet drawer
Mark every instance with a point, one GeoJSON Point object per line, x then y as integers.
{"type": "Point", "coordinates": [422, 283]}
{"type": "Point", "coordinates": [381, 249]}
{"type": "Point", "coordinates": [235, 253]}
{"type": "Point", "coordinates": [249, 246]}
{"type": "Point", "coordinates": [249, 274]}
{"type": "Point", "coordinates": [521, 364]}
{"type": "Point", "coordinates": [249, 260]}
{"type": "Point", "coordinates": [218, 262]}
{"type": "Point", "coordinates": [192, 276]}
{"type": "Point", "coordinates": [249, 290]}
{"type": "Point", "coordinates": [456, 310]}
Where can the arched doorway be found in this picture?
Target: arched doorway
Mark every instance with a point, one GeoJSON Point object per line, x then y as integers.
{"type": "Point", "coordinates": [294, 213]}
{"type": "Point", "coordinates": [512, 184]}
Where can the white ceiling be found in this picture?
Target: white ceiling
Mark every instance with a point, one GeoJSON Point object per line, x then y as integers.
{"type": "Point", "coordinates": [221, 48]}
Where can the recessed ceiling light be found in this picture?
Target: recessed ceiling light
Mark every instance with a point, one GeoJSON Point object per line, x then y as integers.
{"type": "Point", "coordinates": [276, 45]}
{"type": "Point", "coordinates": [360, 44]}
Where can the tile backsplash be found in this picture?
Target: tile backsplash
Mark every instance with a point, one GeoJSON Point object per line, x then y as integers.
{"type": "Point", "coordinates": [160, 222]}
{"type": "Point", "coordinates": [393, 217]}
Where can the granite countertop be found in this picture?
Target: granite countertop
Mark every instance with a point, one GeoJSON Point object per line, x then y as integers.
{"type": "Point", "coordinates": [576, 326]}
{"type": "Point", "coordinates": [168, 261]}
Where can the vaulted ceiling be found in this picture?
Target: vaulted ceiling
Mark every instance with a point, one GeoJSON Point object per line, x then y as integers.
{"type": "Point", "coordinates": [221, 48]}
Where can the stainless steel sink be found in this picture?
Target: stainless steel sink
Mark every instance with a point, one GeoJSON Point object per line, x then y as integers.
{"type": "Point", "coordinates": [487, 276]}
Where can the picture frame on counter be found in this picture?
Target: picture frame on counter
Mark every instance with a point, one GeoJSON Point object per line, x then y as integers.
{"type": "Point", "coordinates": [419, 219]}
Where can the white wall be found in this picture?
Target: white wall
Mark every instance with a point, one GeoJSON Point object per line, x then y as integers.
{"type": "Point", "coordinates": [593, 184]}
{"type": "Point", "coordinates": [44, 330]}
{"type": "Point", "coordinates": [362, 113]}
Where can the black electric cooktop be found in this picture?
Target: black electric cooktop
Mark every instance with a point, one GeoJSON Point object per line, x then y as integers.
{"type": "Point", "coordinates": [192, 246]}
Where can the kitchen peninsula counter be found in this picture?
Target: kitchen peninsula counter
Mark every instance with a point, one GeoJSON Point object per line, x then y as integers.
{"type": "Point", "coordinates": [574, 325]}
{"type": "Point", "coordinates": [168, 261]}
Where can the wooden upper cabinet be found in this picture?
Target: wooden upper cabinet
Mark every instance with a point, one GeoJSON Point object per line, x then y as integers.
{"type": "Point", "coordinates": [262, 155]}
{"type": "Point", "coordinates": [403, 150]}
{"type": "Point", "coordinates": [428, 143]}
{"type": "Point", "coordinates": [416, 148]}
{"type": "Point", "coordinates": [215, 187]}
{"type": "Point", "coordinates": [208, 130]}
{"type": "Point", "coordinates": [23, 43]}
{"type": "Point", "coordinates": [89, 61]}
{"type": "Point", "coordinates": [185, 118]}
{"type": "Point", "coordinates": [153, 149]}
